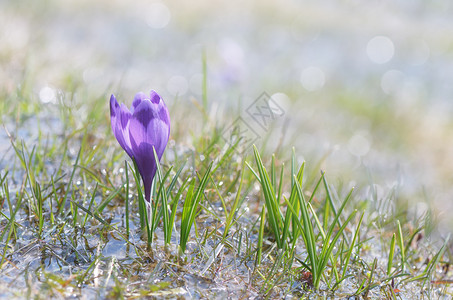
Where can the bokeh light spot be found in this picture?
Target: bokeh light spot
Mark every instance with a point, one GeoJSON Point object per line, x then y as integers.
{"type": "Point", "coordinates": [391, 81]}
{"type": "Point", "coordinates": [312, 78]}
{"type": "Point", "coordinates": [380, 49]}
{"type": "Point", "coordinates": [158, 15]}
{"type": "Point", "coordinates": [358, 144]}
{"type": "Point", "coordinates": [48, 95]}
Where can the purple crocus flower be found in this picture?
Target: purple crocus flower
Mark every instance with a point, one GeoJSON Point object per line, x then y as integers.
{"type": "Point", "coordinates": [138, 130]}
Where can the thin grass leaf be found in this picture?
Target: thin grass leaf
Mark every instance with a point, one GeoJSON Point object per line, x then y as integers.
{"type": "Point", "coordinates": [126, 169]}
{"type": "Point", "coordinates": [162, 194]}
{"type": "Point", "coordinates": [401, 245]}
{"type": "Point", "coordinates": [260, 238]}
{"type": "Point", "coordinates": [190, 207]}
{"type": "Point", "coordinates": [143, 206]}
{"type": "Point", "coordinates": [391, 254]}
{"type": "Point", "coordinates": [68, 188]}
{"type": "Point", "coordinates": [294, 204]}
{"type": "Point", "coordinates": [307, 232]}
{"type": "Point", "coordinates": [91, 204]}
{"type": "Point", "coordinates": [274, 214]}
{"type": "Point", "coordinates": [234, 207]}
{"type": "Point", "coordinates": [351, 247]}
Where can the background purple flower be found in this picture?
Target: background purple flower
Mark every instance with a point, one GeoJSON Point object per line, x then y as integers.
{"type": "Point", "coordinates": [138, 130]}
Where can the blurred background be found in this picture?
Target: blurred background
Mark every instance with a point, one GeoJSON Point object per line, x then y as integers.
{"type": "Point", "coordinates": [365, 86]}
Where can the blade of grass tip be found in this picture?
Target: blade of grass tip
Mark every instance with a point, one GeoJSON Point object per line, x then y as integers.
{"type": "Point", "coordinates": [318, 184]}
{"type": "Point", "coordinates": [175, 179]}
{"type": "Point", "coordinates": [274, 217]}
{"type": "Point", "coordinates": [401, 246]}
{"type": "Point", "coordinates": [232, 213]}
{"type": "Point", "coordinates": [254, 172]}
{"type": "Point", "coordinates": [68, 188]}
{"type": "Point", "coordinates": [328, 193]}
{"type": "Point", "coordinates": [391, 254]}
{"type": "Point", "coordinates": [293, 165]}
{"type": "Point", "coordinates": [280, 184]}
{"type": "Point", "coordinates": [272, 174]}
{"type": "Point", "coordinates": [126, 169]}
{"type": "Point", "coordinates": [293, 198]}
{"type": "Point", "coordinates": [260, 238]}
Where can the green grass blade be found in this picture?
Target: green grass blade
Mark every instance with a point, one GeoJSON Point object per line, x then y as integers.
{"type": "Point", "coordinates": [68, 188]}
{"type": "Point", "coordinates": [401, 245]}
{"type": "Point", "coordinates": [162, 194]}
{"type": "Point", "coordinates": [391, 254]}
{"type": "Point", "coordinates": [190, 207]}
{"type": "Point", "coordinates": [126, 169]}
{"type": "Point", "coordinates": [274, 214]}
{"type": "Point", "coordinates": [234, 207]}
{"type": "Point", "coordinates": [260, 238]}
{"type": "Point", "coordinates": [351, 247]}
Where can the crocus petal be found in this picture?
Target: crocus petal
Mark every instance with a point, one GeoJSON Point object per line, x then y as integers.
{"type": "Point", "coordinates": [144, 128]}
{"type": "Point", "coordinates": [119, 119]}
{"type": "Point", "coordinates": [148, 130]}
{"type": "Point", "coordinates": [139, 97]}
{"type": "Point", "coordinates": [113, 112]}
{"type": "Point", "coordinates": [154, 97]}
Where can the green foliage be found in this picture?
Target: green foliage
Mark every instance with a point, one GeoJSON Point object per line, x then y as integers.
{"type": "Point", "coordinates": [190, 208]}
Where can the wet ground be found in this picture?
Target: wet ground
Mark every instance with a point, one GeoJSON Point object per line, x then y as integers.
{"type": "Point", "coordinates": [361, 87]}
